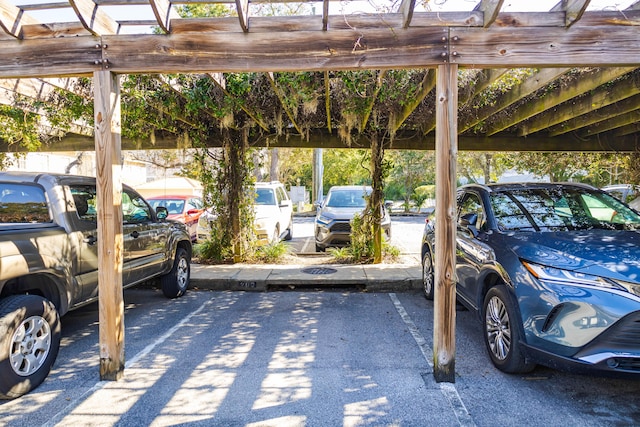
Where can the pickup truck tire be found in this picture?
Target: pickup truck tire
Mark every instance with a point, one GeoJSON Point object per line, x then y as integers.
{"type": "Point", "coordinates": [29, 343]}
{"type": "Point", "coordinates": [175, 283]}
{"type": "Point", "coordinates": [289, 234]}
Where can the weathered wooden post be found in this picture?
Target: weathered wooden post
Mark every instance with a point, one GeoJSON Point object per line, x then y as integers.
{"type": "Point", "coordinates": [109, 217]}
{"type": "Point", "coordinates": [444, 337]}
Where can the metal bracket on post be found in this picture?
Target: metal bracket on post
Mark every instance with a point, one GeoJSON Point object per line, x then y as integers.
{"type": "Point", "coordinates": [444, 55]}
{"type": "Point", "coordinates": [453, 41]}
{"type": "Point", "coordinates": [449, 53]}
{"type": "Point", "coordinates": [103, 61]}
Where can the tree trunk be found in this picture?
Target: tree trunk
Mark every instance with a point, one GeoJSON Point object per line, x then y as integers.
{"type": "Point", "coordinates": [273, 169]}
{"type": "Point", "coordinates": [377, 183]}
{"type": "Point", "coordinates": [487, 168]}
{"type": "Point", "coordinates": [235, 147]}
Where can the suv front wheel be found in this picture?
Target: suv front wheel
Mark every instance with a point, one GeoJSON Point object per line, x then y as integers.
{"type": "Point", "coordinates": [502, 334]}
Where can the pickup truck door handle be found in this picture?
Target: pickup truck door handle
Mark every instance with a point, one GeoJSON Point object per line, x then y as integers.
{"type": "Point", "coordinates": [135, 234]}
{"type": "Point", "coordinates": [91, 240]}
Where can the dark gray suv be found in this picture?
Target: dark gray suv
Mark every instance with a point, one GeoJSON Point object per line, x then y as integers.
{"type": "Point", "coordinates": [334, 215]}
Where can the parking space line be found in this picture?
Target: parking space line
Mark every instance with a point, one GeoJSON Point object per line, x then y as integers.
{"type": "Point", "coordinates": [101, 384]}
{"type": "Point", "coordinates": [447, 389]}
{"type": "Point", "coordinates": [307, 242]}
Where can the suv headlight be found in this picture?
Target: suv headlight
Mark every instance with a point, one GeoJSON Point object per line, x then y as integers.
{"type": "Point", "coordinates": [568, 277]}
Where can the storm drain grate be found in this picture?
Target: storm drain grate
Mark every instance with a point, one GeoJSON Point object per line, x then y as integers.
{"type": "Point", "coordinates": [319, 270]}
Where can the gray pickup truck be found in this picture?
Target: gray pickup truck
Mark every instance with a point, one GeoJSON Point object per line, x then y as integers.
{"type": "Point", "coordinates": [49, 264]}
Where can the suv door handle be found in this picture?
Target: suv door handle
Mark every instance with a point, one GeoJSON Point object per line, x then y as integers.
{"type": "Point", "coordinates": [90, 240]}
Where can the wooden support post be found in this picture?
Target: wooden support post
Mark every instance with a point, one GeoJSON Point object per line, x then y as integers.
{"type": "Point", "coordinates": [109, 216]}
{"type": "Point", "coordinates": [444, 337]}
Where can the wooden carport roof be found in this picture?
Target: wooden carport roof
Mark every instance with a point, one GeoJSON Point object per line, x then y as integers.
{"type": "Point", "coordinates": [582, 93]}
{"type": "Point", "coordinates": [600, 110]}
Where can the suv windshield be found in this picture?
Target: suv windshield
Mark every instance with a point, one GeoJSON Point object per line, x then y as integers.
{"type": "Point", "coordinates": [560, 208]}
{"type": "Point", "coordinates": [346, 199]}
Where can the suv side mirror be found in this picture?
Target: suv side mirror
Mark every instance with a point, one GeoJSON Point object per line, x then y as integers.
{"type": "Point", "coordinates": [468, 221]}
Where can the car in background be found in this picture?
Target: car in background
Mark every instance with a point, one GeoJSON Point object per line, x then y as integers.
{"type": "Point", "coordinates": [628, 193]}
{"type": "Point", "coordinates": [332, 226]}
{"type": "Point", "coordinates": [273, 212]}
{"type": "Point", "coordinates": [182, 208]}
{"type": "Point", "coordinates": [205, 224]}
{"type": "Point", "coordinates": [553, 273]}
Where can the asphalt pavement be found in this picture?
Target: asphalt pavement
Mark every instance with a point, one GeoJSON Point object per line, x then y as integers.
{"type": "Point", "coordinates": [301, 358]}
{"type": "Point", "coordinates": [302, 345]}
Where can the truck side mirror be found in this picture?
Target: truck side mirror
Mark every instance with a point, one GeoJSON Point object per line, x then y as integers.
{"type": "Point", "coordinates": [162, 212]}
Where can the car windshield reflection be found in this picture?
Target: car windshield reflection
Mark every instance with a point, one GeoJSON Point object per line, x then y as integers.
{"type": "Point", "coordinates": [560, 209]}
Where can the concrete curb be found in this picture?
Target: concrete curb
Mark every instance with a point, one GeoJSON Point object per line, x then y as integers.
{"type": "Point", "coordinates": [260, 278]}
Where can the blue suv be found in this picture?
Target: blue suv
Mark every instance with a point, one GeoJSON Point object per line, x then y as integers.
{"type": "Point", "coordinates": [552, 272]}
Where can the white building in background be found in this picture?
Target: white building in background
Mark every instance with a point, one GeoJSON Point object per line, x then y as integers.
{"type": "Point", "coordinates": [76, 163]}
{"type": "Point", "coordinates": [134, 171]}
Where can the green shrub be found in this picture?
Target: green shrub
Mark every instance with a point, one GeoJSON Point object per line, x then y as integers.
{"type": "Point", "coordinates": [341, 255]}
{"type": "Point", "coordinates": [272, 253]}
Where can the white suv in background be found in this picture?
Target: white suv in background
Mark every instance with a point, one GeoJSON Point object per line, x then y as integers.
{"type": "Point", "coordinates": [628, 193]}
{"type": "Point", "coordinates": [274, 212]}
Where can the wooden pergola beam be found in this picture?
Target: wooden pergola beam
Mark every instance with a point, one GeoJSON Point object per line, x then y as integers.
{"type": "Point", "coordinates": [490, 10]}
{"type": "Point", "coordinates": [406, 10]}
{"type": "Point", "coordinates": [13, 93]}
{"type": "Point", "coordinates": [619, 140]}
{"type": "Point", "coordinates": [577, 87]}
{"type": "Point", "coordinates": [597, 113]}
{"type": "Point", "coordinates": [12, 19]}
{"type": "Point", "coordinates": [242, 8]}
{"type": "Point", "coordinates": [536, 81]}
{"type": "Point", "coordinates": [33, 88]}
{"type": "Point", "coordinates": [484, 79]}
{"type": "Point", "coordinates": [94, 18]}
{"type": "Point", "coordinates": [380, 48]}
{"type": "Point", "coordinates": [164, 13]}
{"type": "Point", "coordinates": [325, 15]}
{"type": "Point", "coordinates": [598, 98]}
{"type": "Point", "coordinates": [612, 123]}
{"type": "Point", "coordinates": [573, 10]}
{"type": "Point", "coordinates": [426, 86]}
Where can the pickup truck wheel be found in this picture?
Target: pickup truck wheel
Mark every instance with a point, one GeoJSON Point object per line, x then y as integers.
{"type": "Point", "coordinates": [29, 343]}
{"type": "Point", "coordinates": [175, 283]}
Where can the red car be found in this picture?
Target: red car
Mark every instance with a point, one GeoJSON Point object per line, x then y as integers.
{"type": "Point", "coordinates": [186, 209]}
